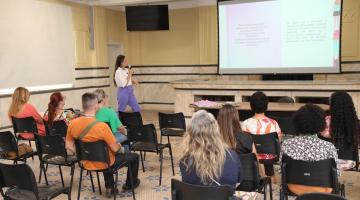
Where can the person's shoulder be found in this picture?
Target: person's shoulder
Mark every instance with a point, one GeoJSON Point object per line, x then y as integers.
{"type": "Point", "coordinates": [232, 155]}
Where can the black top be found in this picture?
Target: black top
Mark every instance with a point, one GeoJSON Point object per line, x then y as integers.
{"type": "Point", "coordinates": [244, 143]}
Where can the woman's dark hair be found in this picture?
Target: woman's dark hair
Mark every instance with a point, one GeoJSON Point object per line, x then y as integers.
{"type": "Point", "coordinates": [55, 99]}
{"type": "Point", "coordinates": [309, 120]}
{"type": "Point", "coordinates": [118, 63]}
{"type": "Point", "coordinates": [229, 124]}
{"type": "Point", "coordinates": [259, 102]}
{"type": "Point", "coordinates": [344, 124]}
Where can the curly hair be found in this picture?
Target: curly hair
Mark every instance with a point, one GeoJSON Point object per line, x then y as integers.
{"type": "Point", "coordinates": [344, 124]}
{"type": "Point", "coordinates": [259, 102]}
{"type": "Point", "coordinates": [309, 119]}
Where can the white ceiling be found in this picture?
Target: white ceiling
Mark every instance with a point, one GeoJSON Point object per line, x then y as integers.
{"type": "Point", "coordinates": [173, 4]}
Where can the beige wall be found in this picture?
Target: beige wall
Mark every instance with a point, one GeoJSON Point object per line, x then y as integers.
{"type": "Point", "coordinates": [86, 57]}
{"type": "Point", "coordinates": [192, 38]}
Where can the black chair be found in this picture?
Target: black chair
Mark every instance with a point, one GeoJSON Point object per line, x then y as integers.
{"type": "Point", "coordinates": [185, 191]}
{"type": "Point", "coordinates": [56, 128]}
{"type": "Point", "coordinates": [172, 125]}
{"type": "Point", "coordinates": [52, 151]}
{"type": "Point", "coordinates": [130, 118]}
{"type": "Point", "coordinates": [285, 124]}
{"type": "Point", "coordinates": [318, 173]}
{"type": "Point", "coordinates": [8, 144]}
{"type": "Point", "coordinates": [144, 139]}
{"type": "Point", "coordinates": [21, 184]}
{"type": "Point", "coordinates": [267, 144]}
{"type": "Point", "coordinates": [319, 196]}
{"type": "Point", "coordinates": [98, 152]}
{"type": "Point", "coordinates": [252, 182]}
{"type": "Point", "coordinates": [24, 125]}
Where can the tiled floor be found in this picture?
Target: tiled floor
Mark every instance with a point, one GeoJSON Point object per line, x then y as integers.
{"type": "Point", "coordinates": [149, 188]}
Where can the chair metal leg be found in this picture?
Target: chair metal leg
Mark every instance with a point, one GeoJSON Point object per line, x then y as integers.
{"type": "Point", "coordinates": [172, 161]}
{"type": "Point", "coordinates": [39, 173]}
{"type": "Point", "coordinates": [144, 155]}
{"type": "Point", "coordinates": [98, 180]}
{"type": "Point", "coordinates": [79, 189]}
{"type": "Point", "coordinates": [161, 166]}
{"type": "Point", "coordinates": [92, 182]}
{"type": "Point", "coordinates": [61, 176]}
{"type": "Point", "coordinates": [270, 186]}
{"type": "Point", "coordinates": [115, 184]}
{"type": "Point", "coordinates": [43, 169]}
{"type": "Point", "coordinates": [265, 189]}
{"type": "Point", "coordinates": [47, 165]}
{"type": "Point", "coordinates": [71, 179]}
{"type": "Point", "coordinates": [131, 180]}
{"type": "Point", "coordinates": [142, 161]}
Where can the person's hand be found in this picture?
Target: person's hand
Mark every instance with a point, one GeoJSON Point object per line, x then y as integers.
{"type": "Point", "coordinates": [135, 82]}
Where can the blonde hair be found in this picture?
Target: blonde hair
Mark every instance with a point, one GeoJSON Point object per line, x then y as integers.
{"type": "Point", "coordinates": [205, 150]}
{"type": "Point", "coordinates": [20, 97]}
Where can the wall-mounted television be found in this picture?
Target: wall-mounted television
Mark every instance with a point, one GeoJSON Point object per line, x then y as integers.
{"type": "Point", "coordinates": [147, 18]}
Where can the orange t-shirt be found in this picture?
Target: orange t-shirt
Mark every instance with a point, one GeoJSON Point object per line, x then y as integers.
{"type": "Point", "coordinates": [100, 131]}
{"type": "Point", "coordinates": [29, 110]}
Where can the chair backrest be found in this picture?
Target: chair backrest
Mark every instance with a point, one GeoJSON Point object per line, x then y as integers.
{"type": "Point", "coordinates": [173, 120]}
{"type": "Point", "coordinates": [144, 133]}
{"type": "Point", "coordinates": [57, 128]}
{"type": "Point", "coordinates": [51, 145]}
{"type": "Point", "coordinates": [92, 151]}
{"type": "Point", "coordinates": [7, 142]}
{"type": "Point", "coordinates": [320, 196]}
{"type": "Point", "coordinates": [185, 191]}
{"type": "Point", "coordinates": [267, 144]}
{"type": "Point", "coordinates": [20, 176]}
{"type": "Point", "coordinates": [250, 171]}
{"type": "Point", "coordinates": [285, 123]}
{"type": "Point", "coordinates": [24, 125]}
{"type": "Point", "coordinates": [316, 173]}
{"type": "Point", "coordinates": [130, 118]}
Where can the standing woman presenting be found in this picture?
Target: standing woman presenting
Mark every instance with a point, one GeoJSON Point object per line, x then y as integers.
{"type": "Point", "coordinates": [124, 82]}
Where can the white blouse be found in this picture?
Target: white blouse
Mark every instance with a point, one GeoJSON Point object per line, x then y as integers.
{"type": "Point", "coordinates": [121, 76]}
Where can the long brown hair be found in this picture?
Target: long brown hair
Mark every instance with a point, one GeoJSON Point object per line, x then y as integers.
{"type": "Point", "coordinates": [229, 124]}
{"type": "Point", "coordinates": [55, 99]}
{"type": "Point", "coordinates": [19, 98]}
{"type": "Point", "coordinates": [119, 61]}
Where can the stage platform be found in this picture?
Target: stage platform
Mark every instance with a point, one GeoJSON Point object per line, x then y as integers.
{"type": "Point", "coordinates": [317, 92]}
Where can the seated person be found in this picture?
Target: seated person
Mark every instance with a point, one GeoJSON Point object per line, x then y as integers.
{"type": "Point", "coordinates": [55, 111]}
{"type": "Point", "coordinates": [260, 124]}
{"type": "Point", "coordinates": [101, 131]}
{"type": "Point", "coordinates": [230, 129]}
{"type": "Point", "coordinates": [108, 115]}
{"type": "Point", "coordinates": [207, 159]}
{"type": "Point", "coordinates": [20, 108]}
{"type": "Point", "coordinates": [342, 126]}
{"type": "Point", "coordinates": [309, 120]}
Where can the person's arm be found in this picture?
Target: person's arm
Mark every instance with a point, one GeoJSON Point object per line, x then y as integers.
{"type": "Point", "coordinates": [35, 114]}
{"type": "Point", "coordinates": [122, 129]}
{"type": "Point", "coordinates": [69, 141]}
{"type": "Point", "coordinates": [110, 139]}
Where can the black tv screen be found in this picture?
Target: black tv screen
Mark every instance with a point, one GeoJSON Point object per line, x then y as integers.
{"type": "Point", "coordinates": [147, 18]}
